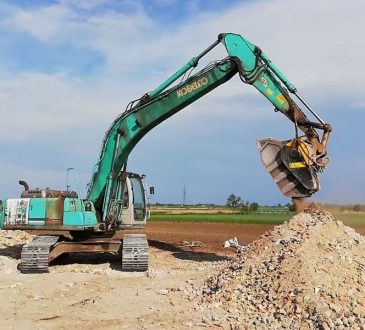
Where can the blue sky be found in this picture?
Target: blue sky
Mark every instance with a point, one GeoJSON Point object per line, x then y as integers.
{"type": "Point", "coordinates": [69, 67]}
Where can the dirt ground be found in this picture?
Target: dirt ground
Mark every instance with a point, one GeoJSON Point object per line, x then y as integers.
{"type": "Point", "coordinates": [165, 235]}
{"type": "Point", "coordinates": [84, 291]}
{"type": "Point", "coordinates": [90, 291]}
{"type": "Point", "coordinates": [212, 235]}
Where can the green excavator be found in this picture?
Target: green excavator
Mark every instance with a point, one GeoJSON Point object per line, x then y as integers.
{"type": "Point", "coordinates": [117, 199]}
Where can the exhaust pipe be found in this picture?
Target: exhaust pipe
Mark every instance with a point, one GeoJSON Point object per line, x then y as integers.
{"type": "Point", "coordinates": [24, 184]}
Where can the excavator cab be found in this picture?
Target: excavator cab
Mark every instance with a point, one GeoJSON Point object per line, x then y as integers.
{"type": "Point", "coordinates": [130, 208]}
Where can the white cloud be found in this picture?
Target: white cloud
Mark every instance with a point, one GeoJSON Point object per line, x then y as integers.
{"type": "Point", "coordinates": [317, 44]}
{"type": "Point", "coordinates": [36, 104]}
{"type": "Point", "coordinates": [43, 23]}
{"type": "Point", "coordinates": [85, 4]}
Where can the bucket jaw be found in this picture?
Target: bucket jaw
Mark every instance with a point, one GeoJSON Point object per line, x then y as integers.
{"type": "Point", "coordinates": [292, 165]}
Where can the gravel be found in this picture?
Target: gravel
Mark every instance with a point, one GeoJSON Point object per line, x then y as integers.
{"type": "Point", "coordinates": [308, 273]}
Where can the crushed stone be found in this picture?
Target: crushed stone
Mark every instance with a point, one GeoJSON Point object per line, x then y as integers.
{"type": "Point", "coordinates": [308, 273]}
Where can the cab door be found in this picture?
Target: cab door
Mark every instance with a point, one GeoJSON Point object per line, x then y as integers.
{"type": "Point", "coordinates": [139, 199]}
{"type": "Point", "coordinates": [133, 207]}
{"type": "Point", "coordinates": [126, 205]}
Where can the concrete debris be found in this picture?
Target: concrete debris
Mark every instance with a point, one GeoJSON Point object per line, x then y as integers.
{"type": "Point", "coordinates": [305, 274]}
{"type": "Point", "coordinates": [9, 238]}
{"type": "Point", "coordinates": [11, 242]}
{"type": "Point", "coordinates": [192, 244]}
{"type": "Point", "coordinates": [163, 292]}
{"type": "Point", "coordinates": [233, 243]}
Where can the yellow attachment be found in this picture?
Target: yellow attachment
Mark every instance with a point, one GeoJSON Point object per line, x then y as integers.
{"type": "Point", "coordinates": [297, 165]}
{"type": "Point", "coordinates": [304, 152]}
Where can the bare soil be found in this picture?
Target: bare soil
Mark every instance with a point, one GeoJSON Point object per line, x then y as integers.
{"type": "Point", "coordinates": [85, 290]}
{"type": "Point", "coordinates": [212, 235]}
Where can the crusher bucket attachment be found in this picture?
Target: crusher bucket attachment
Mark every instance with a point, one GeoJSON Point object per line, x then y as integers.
{"type": "Point", "coordinates": [290, 167]}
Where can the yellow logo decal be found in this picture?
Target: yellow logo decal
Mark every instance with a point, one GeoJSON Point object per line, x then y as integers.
{"type": "Point", "coordinates": [191, 87]}
{"type": "Point", "coordinates": [281, 98]}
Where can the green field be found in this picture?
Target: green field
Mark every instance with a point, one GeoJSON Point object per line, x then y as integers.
{"type": "Point", "coordinates": [351, 219]}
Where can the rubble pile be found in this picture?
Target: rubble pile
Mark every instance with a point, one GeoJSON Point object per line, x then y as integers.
{"type": "Point", "coordinates": [13, 237]}
{"type": "Point", "coordinates": [308, 273]}
{"type": "Point", "coordinates": [11, 242]}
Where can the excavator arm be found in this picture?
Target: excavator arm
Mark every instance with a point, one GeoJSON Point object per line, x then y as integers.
{"type": "Point", "coordinates": [293, 164]}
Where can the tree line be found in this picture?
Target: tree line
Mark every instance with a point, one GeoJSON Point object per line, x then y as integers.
{"type": "Point", "coordinates": [238, 205]}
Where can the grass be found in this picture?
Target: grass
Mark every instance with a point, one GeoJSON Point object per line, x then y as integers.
{"type": "Point", "coordinates": [254, 218]}
{"type": "Point", "coordinates": [350, 219]}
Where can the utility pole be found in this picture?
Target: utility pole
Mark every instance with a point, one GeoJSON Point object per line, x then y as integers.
{"type": "Point", "coordinates": [184, 196]}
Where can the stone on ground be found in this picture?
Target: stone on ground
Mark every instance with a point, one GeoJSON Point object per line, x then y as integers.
{"type": "Point", "coordinates": [308, 273]}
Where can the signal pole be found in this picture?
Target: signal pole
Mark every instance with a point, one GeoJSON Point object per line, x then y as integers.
{"type": "Point", "coordinates": [184, 196]}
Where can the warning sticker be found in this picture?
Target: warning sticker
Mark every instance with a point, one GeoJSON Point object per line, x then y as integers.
{"type": "Point", "coordinates": [17, 211]}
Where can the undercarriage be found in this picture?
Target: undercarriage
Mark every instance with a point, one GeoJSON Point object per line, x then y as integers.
{"type": "Point", "coordinates": [37, 255]}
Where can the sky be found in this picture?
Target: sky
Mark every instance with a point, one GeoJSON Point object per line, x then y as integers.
{"type": "Point", "coordinates": [69, 67]}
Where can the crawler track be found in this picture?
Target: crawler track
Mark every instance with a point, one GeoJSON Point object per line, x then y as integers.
{"type": "Point", "coordinates": [135, 253]}
{"type": "Point", "coordinates": [34, 256]}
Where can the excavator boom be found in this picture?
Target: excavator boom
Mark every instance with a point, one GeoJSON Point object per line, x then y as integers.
{"type": "Point", "coordinates": [293, 164]}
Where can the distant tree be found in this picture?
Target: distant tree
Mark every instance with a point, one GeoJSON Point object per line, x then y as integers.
{"type": "Point", "coordinates": [290, 207]}
{"type": "Point", "coordinates": [244, 206]}
{"type": "Point", "coordinates": [356, 208]}
{"type": "Point", "coordinates": [253, 207]}
{"type": "Point", "coordinates": [233, 202]}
